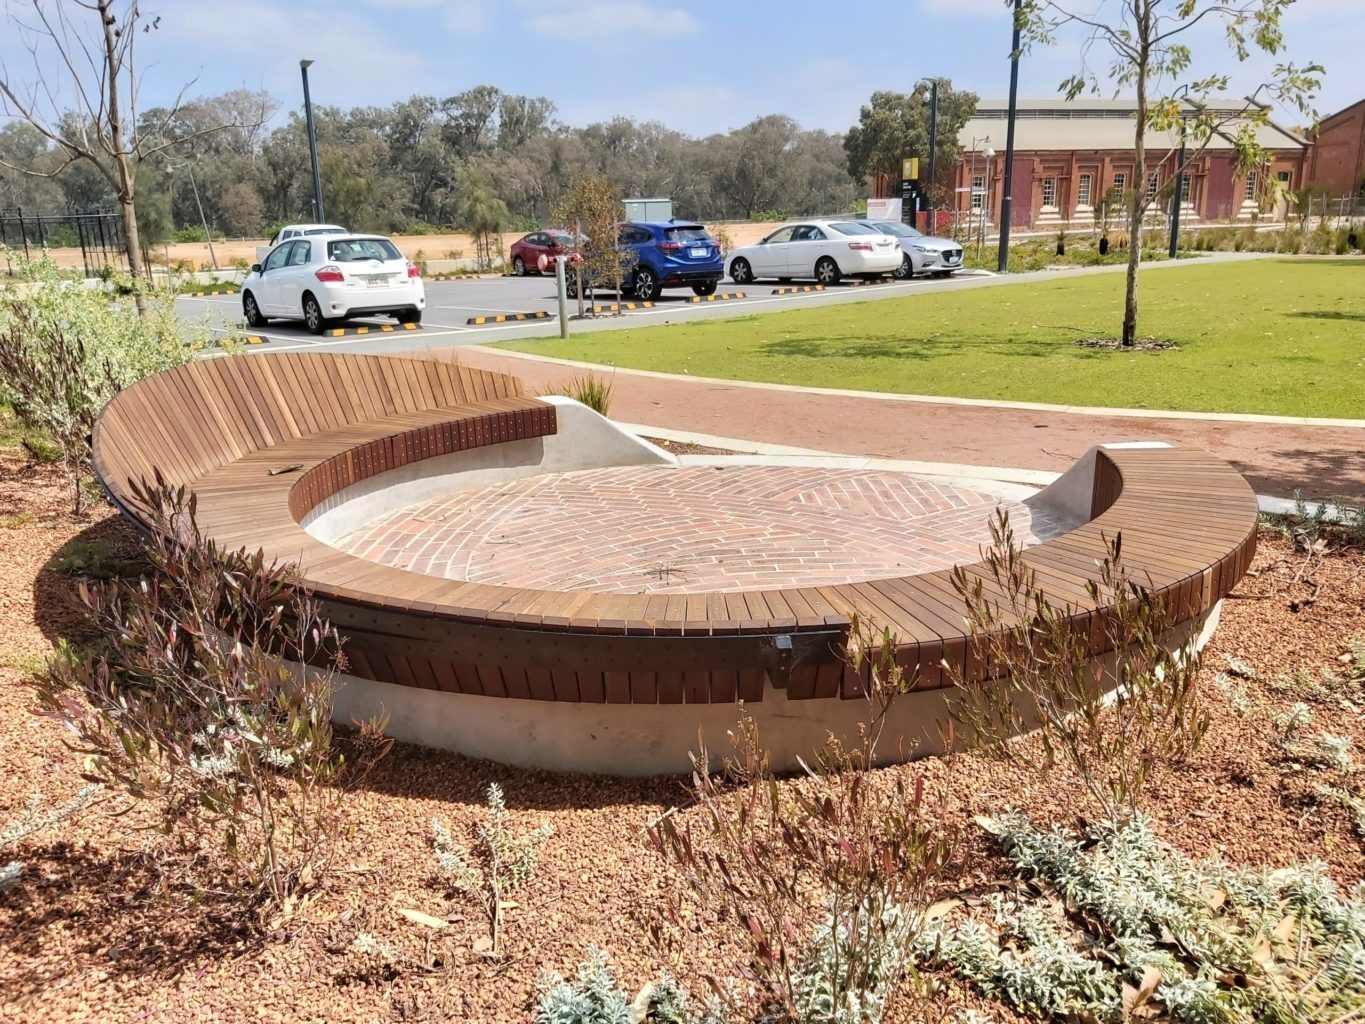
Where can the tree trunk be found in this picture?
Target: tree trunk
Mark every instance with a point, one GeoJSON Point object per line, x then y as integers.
{"type": "Point", "coordinates": [120, 154]}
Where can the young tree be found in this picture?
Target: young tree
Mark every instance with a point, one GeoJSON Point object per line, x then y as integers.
{"type": "Point", "coordinates": [1150, 46]}
{"type": "Point", "coordinates": [483, 215]}
{"type": "Point", "coordinates": [592, 208]}
{"type": "Point", "coordinates": [98, 69]}
{"type": "Point", "coordinates": [895, 125]}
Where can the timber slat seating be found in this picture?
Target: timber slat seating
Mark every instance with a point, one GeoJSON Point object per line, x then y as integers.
{"type": "Point", "coordinates": [265, 440]}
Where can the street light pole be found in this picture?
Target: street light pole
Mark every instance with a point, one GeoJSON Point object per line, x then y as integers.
{"type": "Point", "coordinates": [312, 144]}
{"type": "Point", "coordinates": [1179, 188]}
{"type": "Point", "coordinates": [1007, 202]}
{"type": "Point", "coordinates": [933, 151]}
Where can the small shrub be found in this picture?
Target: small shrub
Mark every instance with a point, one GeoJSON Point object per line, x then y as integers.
{"type": "Point", "coordinates": [1115, 926]}
{"type": "Point", "coordinates": [826, 883]}
{"type": "Point", "coordinates": [590, 389]}
{"type": "Point", "coordinates": [1290, 721]}
{"type": "Point", "coordinates": [66, 349]}
{"type": "Point", "coordinates": [1112, 727]}
{"type": "Point", "coordinates": [499, 862]}
{"type": "Point", "coordinates": [594, 997]}
{"type": "Point", "coordinates": [193, 704]}
{"type": "Point", "coordinates": [32, 820]}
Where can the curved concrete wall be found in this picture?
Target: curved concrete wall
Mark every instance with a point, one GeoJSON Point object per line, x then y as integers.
{"type": "Point", "coordinates": [657, 739]}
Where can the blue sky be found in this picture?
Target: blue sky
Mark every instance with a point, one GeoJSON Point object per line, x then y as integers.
{"type": "Point", "coordinates": [699, 66]}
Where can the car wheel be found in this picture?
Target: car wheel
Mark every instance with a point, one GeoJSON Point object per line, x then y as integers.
{"type": "Point", "coordinates": [252, 312]}
{"type": "Point", "coordinates": [741, 272]}
{"type": "Point", "coordinates": [906, 270]}
{"type": "Point", "coordinates": [646, 285]}
{"type": "Point", "coordinates": [312, 314]}
{"type": "Point", "coordinates": [709, 288]}
{"type": "Point", "coordinates": [827, 271]}
{"type": "Point", "coordinates": [408, 316]}
{"type": "Point", "coordinates": [518, 267]}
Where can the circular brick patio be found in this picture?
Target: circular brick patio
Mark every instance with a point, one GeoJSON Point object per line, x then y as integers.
{"type": "Point", "coordinates": [630, 530]}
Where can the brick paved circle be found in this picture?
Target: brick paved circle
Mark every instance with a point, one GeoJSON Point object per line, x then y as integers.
{"type": "Point", "coordinates": [664, 530]}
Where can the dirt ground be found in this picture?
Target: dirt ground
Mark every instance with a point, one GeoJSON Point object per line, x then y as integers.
{"type": "Point", "coordinates": [95, 933]}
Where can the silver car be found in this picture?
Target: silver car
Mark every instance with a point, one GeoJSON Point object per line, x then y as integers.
{"type": "Point", "coordinates": [924, 254]}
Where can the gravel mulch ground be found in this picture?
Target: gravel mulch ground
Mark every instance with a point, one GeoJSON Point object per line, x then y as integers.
{"type": "Point", "coordinates": [93, 934]}
{"type": "Point", "coordinates": [688, 448]}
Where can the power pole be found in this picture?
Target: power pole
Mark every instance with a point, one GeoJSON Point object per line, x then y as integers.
{"type": "Point", "coordinates": [1005, 205]}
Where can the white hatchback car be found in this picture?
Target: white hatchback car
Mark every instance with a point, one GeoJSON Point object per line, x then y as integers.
{"type": "Point", "coordinates": [324, 278]}
{"type": "Point", "coordinates": [823, 249]}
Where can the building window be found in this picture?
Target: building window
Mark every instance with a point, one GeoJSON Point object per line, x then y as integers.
{"type": "Point", "coordinates": [1083, 190]}
{"type": "Point", "coordinates": [1120, 181]}
{"type": "Point", "coordinates": [1285, 178]}
{"type": "Point", "coordinates": [1250, 194]}
{"type": "Point", "coordinates": [978, 190]}
{"type": "Point", "coordinates": [1186, 196]}
{"type": "Point", "coordinates": [1151, 184]}
{"type": "Point", "coordinates": [1049, 191]}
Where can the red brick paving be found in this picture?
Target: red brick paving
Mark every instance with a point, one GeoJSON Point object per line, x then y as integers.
{"type": "Point", "coordinates": [1325, 462]}
{"type": "Point", "coordinates": [665, 530]}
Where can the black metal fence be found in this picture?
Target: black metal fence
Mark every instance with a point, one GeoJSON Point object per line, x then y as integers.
{"type": "Point", "coordinates": [98, 235]}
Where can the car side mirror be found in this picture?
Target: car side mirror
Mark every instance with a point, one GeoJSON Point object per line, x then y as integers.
{"type": "Point", "coordinates": [255, 268]}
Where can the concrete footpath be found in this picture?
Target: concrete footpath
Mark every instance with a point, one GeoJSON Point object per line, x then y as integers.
{"type": "Point", "coordinates": [1324, 459]}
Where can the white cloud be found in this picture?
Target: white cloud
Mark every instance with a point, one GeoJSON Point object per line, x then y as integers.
{"type": "Point", "coordinates": [610, 23]}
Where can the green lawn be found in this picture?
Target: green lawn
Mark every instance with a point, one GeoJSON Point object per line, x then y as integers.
{"type": "Point", "coordinates": [1278, 336]}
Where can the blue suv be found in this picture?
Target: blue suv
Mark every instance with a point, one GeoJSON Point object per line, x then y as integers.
{"type": "Point", "coordinates": [670, 254]}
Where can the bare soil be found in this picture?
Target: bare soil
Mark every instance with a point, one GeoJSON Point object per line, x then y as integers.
{"type": "Point", "coordinates": [98, 930]}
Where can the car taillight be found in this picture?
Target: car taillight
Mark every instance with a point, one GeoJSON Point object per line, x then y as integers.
{"type": "Point", "coordinates": [413, 270]}
{"type": "Point", "coordinates": [669, 246]}
{"type": "Point", "coordinates": [862, 246]}
{"type": "Point", "coordinates": [329, 273]}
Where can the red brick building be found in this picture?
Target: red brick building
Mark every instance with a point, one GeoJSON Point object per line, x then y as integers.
{"type": "Point", "coordinates": [1068, 154]}
{"type": "Point", "coordinates": [1337, 163]}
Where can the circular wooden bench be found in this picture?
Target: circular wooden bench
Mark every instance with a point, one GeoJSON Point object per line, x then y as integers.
{"type": "Point", "coordinates": [268, 442]}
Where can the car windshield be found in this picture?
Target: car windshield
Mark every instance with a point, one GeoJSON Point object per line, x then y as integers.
{"type": "Point", "coordinates": [890, 227]}
{"type": "Point", "coordinates": [687, 233]}
{"type": "Point", "coordinates": [848, 227]}
{"type": "Point", "coordinates": [561, 238]}
{"type": "Point", "coordinates": [353, 250]}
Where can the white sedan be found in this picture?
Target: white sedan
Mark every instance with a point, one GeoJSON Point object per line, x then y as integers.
{"type": "Point", "coordinates": [325, 278]}
{"type": "Point", "coordinates": [823, 249]}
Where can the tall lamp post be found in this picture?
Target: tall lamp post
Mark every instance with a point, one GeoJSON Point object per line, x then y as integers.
{"type": "Point", "coordinates": [1006, 204]}
{"type": "Point", "coordinates": [1177, 197]}
{"type": "Point", "coordinates": [933, 148]}
{"type": "Point", "coordinates": [319, 216]}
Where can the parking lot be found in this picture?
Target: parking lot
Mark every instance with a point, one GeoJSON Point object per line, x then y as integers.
{"type": "Point", "coordinates": [451, 305]}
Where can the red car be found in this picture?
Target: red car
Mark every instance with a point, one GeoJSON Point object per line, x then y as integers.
{"type": "Point", "coordinates": [527, 250]}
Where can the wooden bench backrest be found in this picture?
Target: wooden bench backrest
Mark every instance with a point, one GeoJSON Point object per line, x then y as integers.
{"type": "Point", "coordinates": [205, 414]}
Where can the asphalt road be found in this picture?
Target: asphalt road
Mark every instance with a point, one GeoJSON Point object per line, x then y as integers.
{"type": "Point", "coordinates": [451, 304]}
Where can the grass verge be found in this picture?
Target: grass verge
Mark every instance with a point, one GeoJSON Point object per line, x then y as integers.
{"type": "Point", "coordinates": [1279, 336]}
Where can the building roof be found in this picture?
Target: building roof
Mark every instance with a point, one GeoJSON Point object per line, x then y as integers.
{"type": "Point", "coordinates": [1091, 124]}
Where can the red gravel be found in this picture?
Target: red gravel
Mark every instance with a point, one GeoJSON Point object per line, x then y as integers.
{"type": "Point", "coordinates": [89, 935]}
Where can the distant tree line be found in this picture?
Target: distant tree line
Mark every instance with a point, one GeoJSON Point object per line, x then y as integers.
{"type": "Point", "coordinates": [426, 163]}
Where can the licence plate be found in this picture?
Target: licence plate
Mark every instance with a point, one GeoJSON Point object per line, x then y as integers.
{"type": "Point", "coordinates": [377, 281]}
{"type": "Point", "coordinates": [700, 254]}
